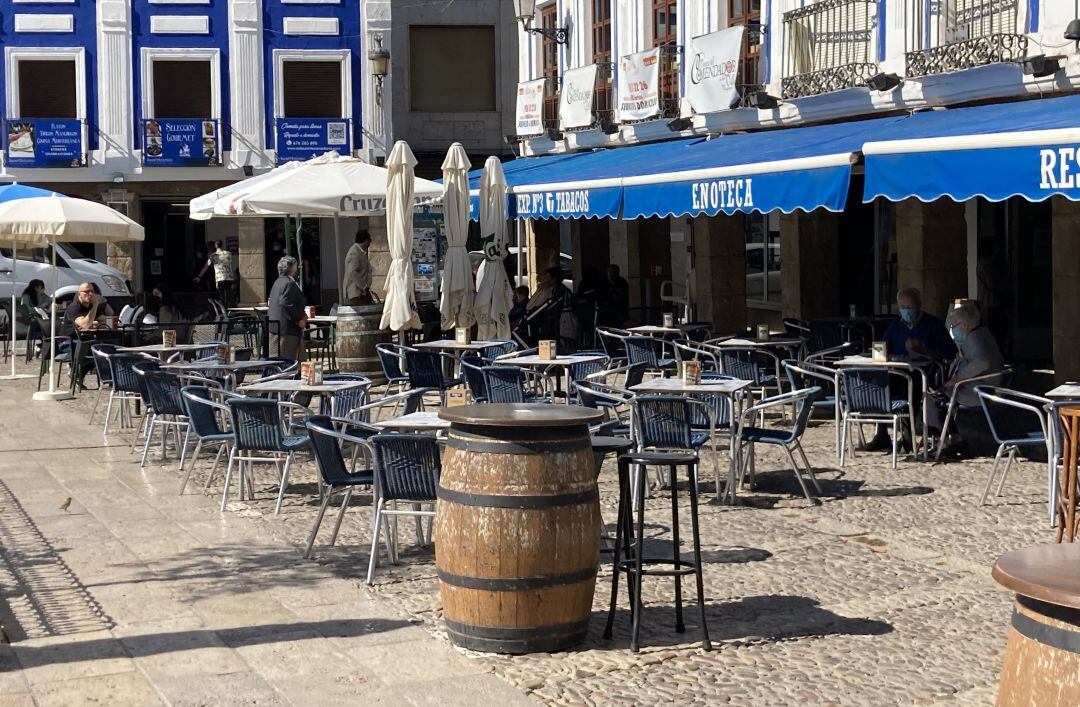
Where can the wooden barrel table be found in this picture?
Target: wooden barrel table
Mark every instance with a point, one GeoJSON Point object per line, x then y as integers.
{"type": "Point", "coordinates": [1042, 656]}
{"type": "Point", "coordinates": [357, 332]}
{"type": "Point", "coordinates": [517, 530]}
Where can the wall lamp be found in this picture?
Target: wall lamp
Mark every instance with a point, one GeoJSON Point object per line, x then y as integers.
{"type": "Point", "coordinates": [379, 65]}
{"type": "Point", "coordinates": [883, 82]}
{"type": "Point", "coordinates": [526, 10]}
{"type": "Point", "coordinates": [1040, 66]}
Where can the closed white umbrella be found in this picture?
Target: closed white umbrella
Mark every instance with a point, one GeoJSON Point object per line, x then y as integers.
{"type": "Point", "coordinates": [493, 295]}
{"type": "Point", "coordinates": [456, 302]}
{"type": "Point", "coordinates": [62, 219]}
{"type": "Point", "coordinates": [398, 311]}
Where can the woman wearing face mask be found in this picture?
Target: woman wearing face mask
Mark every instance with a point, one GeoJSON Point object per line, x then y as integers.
{"type": "Point", "coordinates": [979, 355]}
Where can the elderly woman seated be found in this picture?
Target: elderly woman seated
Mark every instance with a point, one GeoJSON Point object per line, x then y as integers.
{"type": "Point", "coordinates": [978, 355]}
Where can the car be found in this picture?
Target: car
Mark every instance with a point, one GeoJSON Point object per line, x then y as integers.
{"type": "Point", "coordinates": [566, 262]}
{"type": "Point", "coordinates": [71, 270]}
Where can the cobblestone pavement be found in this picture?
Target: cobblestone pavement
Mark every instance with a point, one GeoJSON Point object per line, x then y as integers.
{"type": "Point", "coordinates": [880, 595]}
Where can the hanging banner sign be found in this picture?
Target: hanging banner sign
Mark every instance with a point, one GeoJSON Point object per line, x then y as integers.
{"type": "Point", "coordinates": [530, 108]}
{"type": "Point", "coordinates": [304, 138]}
{"type": "Point", "coordinates": [44, 143]}
{"type": "Point", "coordinates": [576, 99]}
{"type": "Point", "coordinates": [176, 142]}
{"type": "Point", "coordinates": [712, 81]}
{"type": "Point", "coordinates": [639, 85]}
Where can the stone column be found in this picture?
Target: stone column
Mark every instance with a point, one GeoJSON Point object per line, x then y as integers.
{"type": "Point", "coordinates": [542, 237]}
{"type": "Point", "coordinates": [379, 254]}
{"type": "Point", "coordinates": [624, 252]}
{"type": "Point", "coordinates": [1066, 269]}
{"type": "Point", "coordinates": [122, 255]}
{"type": "Point", "coordinates": [931, 251]}
{"type": "Point", "coordinates": [251, 247]}
{"type": "Point", "coordinates": [720, 270]}
{"type": "Point", "coordinates": [809, 264]}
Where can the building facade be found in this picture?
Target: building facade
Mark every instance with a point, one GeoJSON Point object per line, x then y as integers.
{"type": "Point", "coordinates": [802, 64]}
{"type": "Point", "coordinates": [144, 104]}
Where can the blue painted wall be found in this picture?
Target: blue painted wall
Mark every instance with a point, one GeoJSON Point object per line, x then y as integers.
{"type": "Point", "coordinates": [218, 38]}
{"type": "Point", "coordinates": [85, 35]}
{"type": "Point", "coordinates": [347, 13]}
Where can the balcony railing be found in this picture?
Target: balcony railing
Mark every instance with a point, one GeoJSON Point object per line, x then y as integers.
{"type": "Point", "coordinates": [828, 46]}
{"type": "Point", "coordinates": [952, 35]}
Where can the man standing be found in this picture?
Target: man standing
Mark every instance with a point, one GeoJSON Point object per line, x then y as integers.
{"type": "Point", "coordinates": [286, 310]}
{"type": "Point", "coordinates": [358, 271]}
{"type": "Point", "coordinates": [222, 262]}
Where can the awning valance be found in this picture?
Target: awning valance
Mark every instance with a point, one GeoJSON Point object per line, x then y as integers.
{"type": "Point", "coordinates": [1029, 149]}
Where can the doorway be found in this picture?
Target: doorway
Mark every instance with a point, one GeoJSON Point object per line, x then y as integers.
{"type": "Point", "coordinates": [174, 247]}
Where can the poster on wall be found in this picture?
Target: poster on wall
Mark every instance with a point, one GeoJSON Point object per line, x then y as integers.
{"type": "Point", "coordinates": [639, 85]}
{"type": "Point", "coordinates": [428, 247]}
{"type": "Point", "coordinates": [44, 143]}
{"type": "Point", "coordinates": [304, 138]}
{"type": "Point", "coordinates": [530, 108]}
{"type": "Point", "coordinates": [173, 142]}
{"type": "Point", "coordinates": [576, 99]}
{"type": "Point", "coordinates": [712, 79]}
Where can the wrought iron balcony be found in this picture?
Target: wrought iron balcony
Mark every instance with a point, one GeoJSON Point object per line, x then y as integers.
{"type": "Point", "coordinates": [953, 35]}
{"type": "Point", "coordinates": [828, 47]}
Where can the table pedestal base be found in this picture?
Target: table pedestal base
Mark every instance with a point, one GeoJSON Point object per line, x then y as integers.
{"type": "Point", "coordinates": [1042, 656]}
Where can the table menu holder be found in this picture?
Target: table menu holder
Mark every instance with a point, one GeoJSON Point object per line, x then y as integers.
{"type": "Point", "coordinates": [168, 337]}
{"type": "Point", "coordinates": [456, 397]}
{"type": "Point", "coordinates": [763, 332]}
{"type": "Point", "coordinates": [669, 320]}
{"type": "Point", "coordinates": [879, 352]}
{"type": "Point", "coordinates": [547, 350]}
{"type": "Point", "coordinates": [224, 352]}
{"type": "Point", "coordinates": [691, 372]}
{"type": "Point", "coordinates": [463, 335]}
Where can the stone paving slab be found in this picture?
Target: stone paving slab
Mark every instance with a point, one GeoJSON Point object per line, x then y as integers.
{"type": "Point", "coordinates": [880, 595]}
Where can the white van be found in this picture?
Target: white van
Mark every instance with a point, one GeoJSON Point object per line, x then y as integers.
{"type": "Point", "coordinates": [71, 269]}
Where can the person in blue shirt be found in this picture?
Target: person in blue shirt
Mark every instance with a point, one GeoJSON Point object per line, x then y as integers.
{"type": "Point", "coordinates": [917, 334]}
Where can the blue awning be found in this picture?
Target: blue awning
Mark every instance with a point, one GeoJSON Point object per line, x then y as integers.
{"type": "Point", "coordinates": [1029, 149]}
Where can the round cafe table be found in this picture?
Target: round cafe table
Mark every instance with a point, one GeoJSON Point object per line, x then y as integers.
{"type": "Point", "coordinates": [1042, 655]}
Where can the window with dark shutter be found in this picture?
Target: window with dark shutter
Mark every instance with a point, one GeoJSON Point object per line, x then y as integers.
{"type": "Point", "coordinates": [312, 89]}
{"type": "Point", "coordinates": [47, 89]}
{"type": "Point", "coordinates": [182, 89]}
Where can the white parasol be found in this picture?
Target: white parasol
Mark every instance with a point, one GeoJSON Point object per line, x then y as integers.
{"type": "Point", "coordinates": [493, 295]}
{"type": "Point", "coordinates": [456, 301]}
{"type": "Point", "coordinates": [398, 310]}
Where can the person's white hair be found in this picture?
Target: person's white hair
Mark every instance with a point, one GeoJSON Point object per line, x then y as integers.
{"type": "Point", "coordinates": [967, 314]}
{"type": "Point", "coordinates": [284, 265]}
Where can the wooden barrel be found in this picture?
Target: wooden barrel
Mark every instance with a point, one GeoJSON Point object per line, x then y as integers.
{"type": "Point", "coordinates": [517, 531]}
{"type": "Point", "coordinates": [1042, 655]}
{"type": "Point", "coordinates": [357, 332]}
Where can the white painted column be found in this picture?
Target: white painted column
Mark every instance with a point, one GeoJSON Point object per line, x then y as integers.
{"type": "Point", "coordinates": [114, 85]}
{"type": "Point", "coordinates": [377, 115]}
{"type": "Point", "coordinates": [246, 105]}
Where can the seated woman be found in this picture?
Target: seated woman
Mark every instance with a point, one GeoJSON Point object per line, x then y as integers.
{"type": "Point", "coordinates": [978, 355]}
{"type": "Point", "coordinates": [32, 299]}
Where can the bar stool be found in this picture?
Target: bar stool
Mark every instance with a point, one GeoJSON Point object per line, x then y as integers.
{"type": "Point", "coordinates": [602, 446]}
{"type": "Point", "coordinates": [629, 541]}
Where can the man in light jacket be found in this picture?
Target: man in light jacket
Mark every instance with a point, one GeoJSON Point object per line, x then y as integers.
{"type": "Point", "coordinates": [286, 310]}
{"type": "Point", "coordinates": [358, 271]}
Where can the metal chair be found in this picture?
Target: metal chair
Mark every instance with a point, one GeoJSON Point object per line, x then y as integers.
{"type": "Point", "coordinates": [611, 341]}
{"type": "Point", "coordinates": [259, 427]}
{"type": "Point", "coordinates": [502, 348]}
{"type": "Point", "coordinates": [759, 366]}
{"type": "Point", "coordinates": [806, 375]}
{"type": "Point", "coordinates": [833, 353]}
{"type": "Point", "coordinates": [1016, 420]}
{"type": "Point", "coordinates": [1000, 378]}
{"type": "Point", "coordinates": [165, 407]}
{"type": "Point", "coordinates": [327, 435]}
{"type": "Point", "coordinates": [511, 384]}
{"type": "Point", "coordinates": [425, 370]}
{"type": "Point", "coordinates": [472, 371]}
{"type": "Point", "coordinates": [866, 398]}
{"type": "Point", "coordinates": [407, 469]}
{"type": "Point", "coordinates": [205, 420]}
{"type": "Point", "coordinates": [125, 390]}
{"type": "Point", "coordinates": [643, 349]}
{"type": "Point", "coordinates": [665, 423]}
{"type": "Point", "coordinates": [693, 351]}
{"type": "Point", "coordinates": [100, 354]}
{"type": "Point", "coordinates": [747, 436]}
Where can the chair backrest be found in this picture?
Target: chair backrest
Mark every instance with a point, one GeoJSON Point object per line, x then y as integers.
{"type": "Point", "coordinates": [163, 390]}
{"type": "Point", "coordinates": [824, 335]}
{"type": "Point", "coordinates": [504, 384]}
{"type": "Point", "coordinates": [805, 375]}
{"type": "Point", "coordinates": [326, 446]}
{"type": "Point", "coordinates": [500, 349]}
{"type": "Point", "coordinates": [202, 410]}
{"type": "Point", "coordinates": [641, 349]}
{"type": "Point", "coordinates": [866, 390]}
{"type": "Point", "coordinates": [407, 465]}
{"type": "Point", "coordinates": [579, 371]}
{"type": "Point", "coordinates": [472, 370]}
{"type": "Point", "coordinates": [350, 399]}
{"type": "Point", "coordinates": [662, 421]}
{"type": "Point", "coordinates": [285, 364]}
{"type": "Point", "coordinates": [742, 363]}
{"type": "Point", "coordinates": [101, 354]}
{"type": "Point", "coordinates": [124, 377]}
{"type": "Point", "coordinates": [1014, 417]}
{"type": "Point", "coordinates": [256, 422]}
{"type": "Point", "coordinates": [126, 314]}
{"type": "Point", "coordinates": [425, 368]}
{"type": "Point", "coordinates": [388, 359]}
{"type": "Point", "coordinates": [612, 342]}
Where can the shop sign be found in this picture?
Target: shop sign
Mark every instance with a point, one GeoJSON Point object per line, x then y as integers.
{"type": "Point", "coordinates": [44, 143]}
{"type": "Point", "coordinates": [530, 108]}
{"type": "Point", "coordinates": [568, 203]}
{"type": "Point", "coordinates": [180, 142]}
{"type": "Point", "coordinates": [712, 79]}
{"type": "Point", "coordinates": [639, 85]}
{"type": "Point", "coordinates": [576, 98]}
{"type": "Point", "coordinates": [304, 138]}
